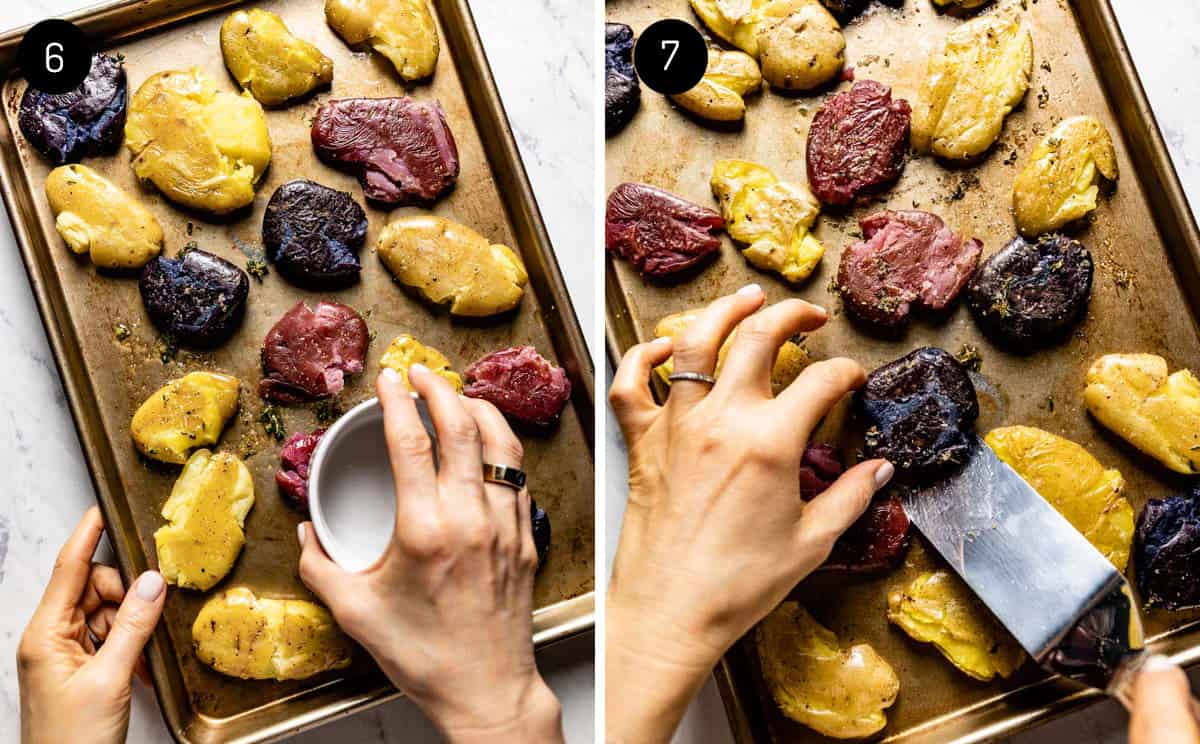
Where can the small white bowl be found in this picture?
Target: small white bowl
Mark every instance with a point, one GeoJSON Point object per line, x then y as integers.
{"type": "Point", "coordinates": [351, 494]}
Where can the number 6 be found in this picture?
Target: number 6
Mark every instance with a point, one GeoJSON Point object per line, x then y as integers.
{"type": "Point", "coordinates": [54, 62]}
{"type": "Point", "coordinates": [674, 48]}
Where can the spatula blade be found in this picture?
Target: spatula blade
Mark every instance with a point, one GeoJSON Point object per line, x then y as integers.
{"type": "Point", "coordinates": [1035, 572]}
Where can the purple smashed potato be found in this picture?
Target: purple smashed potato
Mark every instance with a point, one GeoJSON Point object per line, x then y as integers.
{"type": "Point", "coordinates": [1167, 552]}
{"type": "Point", "coordinates": [86, 120]}
{"type": "Point", "coordinates": [198, 299]}
{"type": "Point", "coordinates": [313, 234]}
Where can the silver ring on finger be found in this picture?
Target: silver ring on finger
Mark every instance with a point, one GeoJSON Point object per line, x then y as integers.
{"type": "Point", "coordinates": [504, 475]}
{"type": "Point", "coordinates": [692, 377]}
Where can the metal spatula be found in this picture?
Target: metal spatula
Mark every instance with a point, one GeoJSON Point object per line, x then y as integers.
{"type": "Point", "coordinates": [1065, 603]}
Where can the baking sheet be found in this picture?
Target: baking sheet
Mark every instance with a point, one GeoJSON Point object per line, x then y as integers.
{"type": "Point", "coordinates": [107, 378]}
{"type": "Point", "coordinates": [1143, 240]}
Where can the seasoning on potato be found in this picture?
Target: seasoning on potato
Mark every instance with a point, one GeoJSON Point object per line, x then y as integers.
{"type": "Point", "coordinates": [203, 147]}
{"type": "Point", "coordinates": [401, 30]}
{"type": "Point", "coordinates": [95, 216]}
{"type": "Point", "coordinates": [242, 635]}
{"type": "Point", "coordinates": [774, 218]}
{"type": "Point", "coordinates": [981, 72]}
{"type": "Point", "coordinates": [449, 263]}
{"type": "Point", "coordinates": [798, 43]}
{"type": "Point", "coordinates": [790, 361]}
{"type": "Point", "coordinates": [1075, 483]}
{"type": "Point", "coordinates": [404, 351]}
{"type": "Point", "coordinates": [939, 608]}
{"type": "Point", "coordinates": [1133, 396]}
{"type": "Point", "coordinates": [839, 692]}
{"type": "Point", "coordinates": [720, 94]}
{"type": "Point", "coordinates": [1061, 182]}
{"type": "Point", "coordinates": [186, 413]}
{"type": "Point", "coordinates": [205, 516]}
{"type": "Point", "coordinates": [268, 61]}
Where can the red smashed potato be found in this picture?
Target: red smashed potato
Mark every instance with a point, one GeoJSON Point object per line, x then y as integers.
{"type": "Point", "coordinates": [294, 459]}
{"type": "Point", "coordinates": [521, 383]}
{"type": "Point", "coordinates": [880, 537]}
{"type": "Point", "coordinates": [401, 150]}
{"type": "Point", "coordinates": [905, 258]}
{"type": "Point", "coordinates": [659, 233]}
{"type": "Point", "coordinates": [308, 352]}
{"type": "Point", "coordinates": [858, 143]}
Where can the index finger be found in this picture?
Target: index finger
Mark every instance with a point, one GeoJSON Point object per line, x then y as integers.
{"type": "Point", "coordinates": [74, 564]}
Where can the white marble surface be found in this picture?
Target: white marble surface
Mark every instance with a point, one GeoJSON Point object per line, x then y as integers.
{"type": "Point", "coordinates": [546, 91]}
{"type": "Point", "coordinates": [1164, 45]}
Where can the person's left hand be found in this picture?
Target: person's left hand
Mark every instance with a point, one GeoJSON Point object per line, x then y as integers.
{"type": "Point", "coordinates": [74, 688]}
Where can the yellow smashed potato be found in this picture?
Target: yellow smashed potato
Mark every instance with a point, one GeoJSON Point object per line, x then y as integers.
{"type": "Point", "coordinates": [1133, 395]}
{"type": "Point", "coordinates": [719, 96]}
{"type": "Point", "coordinates": [204, 148]}
{"type": "Point", "coordinates": [447, 262]}
{"type": "Point", "coordinates": [268, 61]}
{"type": "Point", "coordinates": [837, 692]}
{"type": "Point", "coordinates": [252, 637]}
{"type": "Point", "coordinates": [401, 30]}
{"type": "Point", "coordinates": [772, 217]}
{"type": "Point", "coordinates": [1061, 181]}
{"type": "Point", "coordinates": [94, 216]}
{"type": "Point", "coordinates": [1074, 482]}
{"type": "Point", "coordinates": [798, 43]}
{"type": "Point", "coordinates": [789, 362]}
{"type": "Point", "coordinates": [404, 351]}
{"type": "Point", "coordinates": [186, 413]}
{"type": "Point", "coordinates": [971, 84]}
{"type": "Point", "coordinates": [939, 608]}
{"type": "Point", "coordinates": [205, 515]}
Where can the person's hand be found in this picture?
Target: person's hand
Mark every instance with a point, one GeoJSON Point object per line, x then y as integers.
{"type": "Point", "coordinates": [1163, 709]}
{"type": "Point", "coordinates": [72, 691]}
{"type": "Point", "coordinates": [447, 612]}
{"type": "Point", "coordinates": [715, 531]}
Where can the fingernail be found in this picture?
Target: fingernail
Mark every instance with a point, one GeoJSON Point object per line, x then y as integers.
{"type": "Point", "coordinates": [821, 310]}
{"type": "Point", "coordinates": [1158, 663]}
{"type": "Point", "coordinates": [149, 586]}
{"type": "Point", "coordinates": [750, 290]}
{"type": "Point", "coordinates": [301, 533]}
{"type": "Point", "coordinates": [662, 341]}
{"type": "Point", "coordinates": [418, 368]}
{"type": "Point", "coordinates": [389, 374]}
{"type": "Point", "coordinates": [883, 474]}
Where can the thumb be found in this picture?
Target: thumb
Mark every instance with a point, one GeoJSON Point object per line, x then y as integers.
{"type": "Point", "coordinates": [135, 622]}
{"type": "Point", "coordinates": [832, 511]}
{"type": "Point", "coordinates": [1162, 706]}
{"type": "Point", "coordinates": [317, 570]}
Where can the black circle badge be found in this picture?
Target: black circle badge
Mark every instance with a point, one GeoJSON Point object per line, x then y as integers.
{"type": "Point", "coordinates": [55, 56]}
{"type": "Point", "coordinates": [670, 56]}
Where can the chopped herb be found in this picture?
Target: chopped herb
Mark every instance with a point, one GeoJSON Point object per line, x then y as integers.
{"type": "Point", "coordinates": [121, 331]}
{"type": "Point", "coordinates": [1012, 157]}
{"type": "Point", "coordinates": [1121, 278]}
{"type": "Point", "coordinates": [256, 268]}
{"type": "Point", "coordinates": [1046, 65]}
{"type": "Point", "coordinates": [188, 247]}
{"type": "Point", "coordinates": [371, 334]}
{"type": "Point", "coordinates": [1043, 97]}
{"type": "Point", "coordinates": [272, 422]}
{"type": "Point", "coordinates": [969, 357]}
{"type": "Point", "coordinates": [327, 410]}
{"type": "Point", "coordinates": [168, 348]}
{"type": "Point", "coordinates": [190, 227]}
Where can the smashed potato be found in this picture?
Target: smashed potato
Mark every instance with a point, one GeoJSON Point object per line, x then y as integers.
{"type": "Point", "coordinates": [971, 84]}
{"type": "Point", "coordinates": [1132, 395]}
{"type": "Point", "coordinates": [939, 608]}
{"type": "Point", "coordinates": [789, 362]}
{"type": "Point", "coordinates": [1061, 181]}
{"type": "Point", "coordinates": [404, 351]}
{"type": "Point", "coordinates": [186, 413]}
{"type": "Point", "coordinates": [204, 148]}
{"type": "Point", "coordinates": [268, 61]}
{"type": "Point", "coordinates": [773, 217]}
{"type": "Point", "coordinates": [94, 216]}
{"type": "Point", "coordinates": [1074, 482]}
{"type": "Point", "coordinates": [252, 637]}
{"type": "Point", "coordinates": [798, 43]}
{"type": "Point", "coordinates": [719, 96]}
{"type": "Point", "coordinates": [401, 30]}
{"type": "Point", "coordinates": [205, 514]}
{"type": "Point", "coordinates": [450, 263]}
{"type": "Point", "coordinates": [837, 692]}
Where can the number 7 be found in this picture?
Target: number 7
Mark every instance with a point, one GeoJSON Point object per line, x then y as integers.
{"type": "Point", "coordinates": [674, 48]}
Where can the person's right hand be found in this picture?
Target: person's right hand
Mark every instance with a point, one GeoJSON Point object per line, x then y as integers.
{"type": "Point", "coordinates": [715, 531]}
{"type": "Point", "coordinates": [447, 612]}
{"type": "Point", "coordinates": [1163, 709]}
